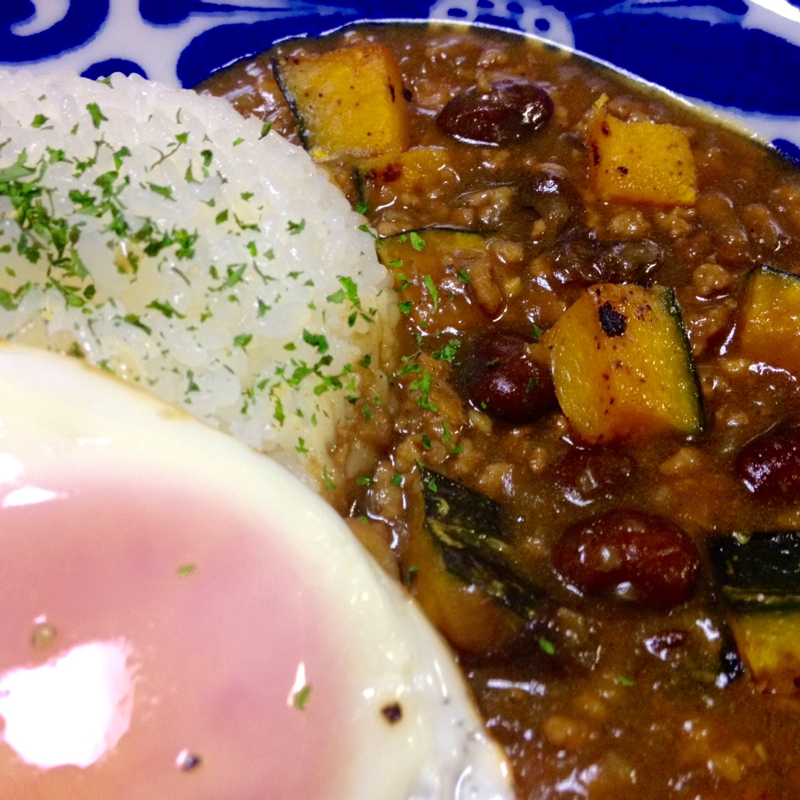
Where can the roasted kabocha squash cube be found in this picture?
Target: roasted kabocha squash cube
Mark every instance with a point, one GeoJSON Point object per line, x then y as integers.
{"type": "Point", "coordinates": [622, 366]}
{"type": "Point", "coordinates": [382, 180]}
{"type": "Point", "coordinates": [348, 101]}
{"type": "Point", "coordinates": [432, 269]}
{"type": "Point", "coordinates": [760, 578]}
{"type": "Point", "coordinates": [640, 162]}
{"type": "Point", "coordinates": [770, 326]}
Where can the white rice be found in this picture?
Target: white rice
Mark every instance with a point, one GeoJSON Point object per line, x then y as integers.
{"type": "Point", "coordinates": [201, 256]}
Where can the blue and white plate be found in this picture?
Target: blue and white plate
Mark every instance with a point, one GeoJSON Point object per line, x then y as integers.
{"type": "Point", "coordinates": [742, 57]}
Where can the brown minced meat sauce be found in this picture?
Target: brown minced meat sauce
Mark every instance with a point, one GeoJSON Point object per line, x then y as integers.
{"type": "Point", "coordinates": [626, 683]}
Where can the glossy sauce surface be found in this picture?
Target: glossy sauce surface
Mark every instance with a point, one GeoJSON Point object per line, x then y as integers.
{"type": "Point", "coordinates": [614, 690]}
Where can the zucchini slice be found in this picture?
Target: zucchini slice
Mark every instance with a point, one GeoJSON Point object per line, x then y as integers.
{"type": "Point", "coordinates": [760, 578]}
{"type": "Point", "coordinates": [433, 269]}
{"type": "Point", "coordinates": [771, 319]}
{"type": "Point", "coordinates": [347, 101]}
{"type": "Point", "coordinates": [622, 365]}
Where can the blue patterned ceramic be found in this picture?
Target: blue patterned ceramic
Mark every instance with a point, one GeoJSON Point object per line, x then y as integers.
{"type": "Point", "coordinates": [742, 57]}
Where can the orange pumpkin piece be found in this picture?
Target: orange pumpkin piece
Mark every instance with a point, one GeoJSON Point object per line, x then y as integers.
{"type": "Point", "coordinates": [640, 162]}
{"type": "Point", "coordinates": [622, 365]}
{"type": "Point", "coordinates": [348, 101]}
{"type": "Point", "coordinates": [770, 329]}
{"type": "Point", "coordinates": [419, 172]}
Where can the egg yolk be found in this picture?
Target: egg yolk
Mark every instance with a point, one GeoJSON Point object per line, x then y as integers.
{"type": "Point", "coordinates": [156, 645]}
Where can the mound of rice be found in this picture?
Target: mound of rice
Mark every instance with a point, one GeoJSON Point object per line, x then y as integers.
{"type": "Point", "coordinates": [161, 236]}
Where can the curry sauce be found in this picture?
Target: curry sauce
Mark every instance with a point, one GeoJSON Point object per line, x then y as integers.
{"type": "Point", "coordinates": [574, 258]}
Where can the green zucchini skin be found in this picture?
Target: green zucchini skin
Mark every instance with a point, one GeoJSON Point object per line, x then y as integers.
{"type": "Point", "coordinates": [759, 572]}
{"type": "Point", "coordinates": [468, 528]}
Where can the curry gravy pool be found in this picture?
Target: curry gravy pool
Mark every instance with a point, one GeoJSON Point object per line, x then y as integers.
{"type": "Point", "coordinates": [599, 361]}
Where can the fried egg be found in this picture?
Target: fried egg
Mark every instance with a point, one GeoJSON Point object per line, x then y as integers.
{"type": "Point", "coordinates": [185, 619]}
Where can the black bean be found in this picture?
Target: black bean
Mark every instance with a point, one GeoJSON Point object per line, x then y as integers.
{"type": "Point", "coordinates": [631, 555]}
{"type": "Point", "coordinates": [503, 380]}
{"type": "Point", "coordinates": [510, 111]}
{"type": "Point", "coordinates": [770, 464]}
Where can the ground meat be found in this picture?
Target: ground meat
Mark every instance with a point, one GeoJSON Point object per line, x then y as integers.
{"type": "Point", "coordinates": [624, 682]}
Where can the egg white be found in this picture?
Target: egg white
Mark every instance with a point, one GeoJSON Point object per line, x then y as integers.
{"type": "Point", "coordinates": [61, 417]}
